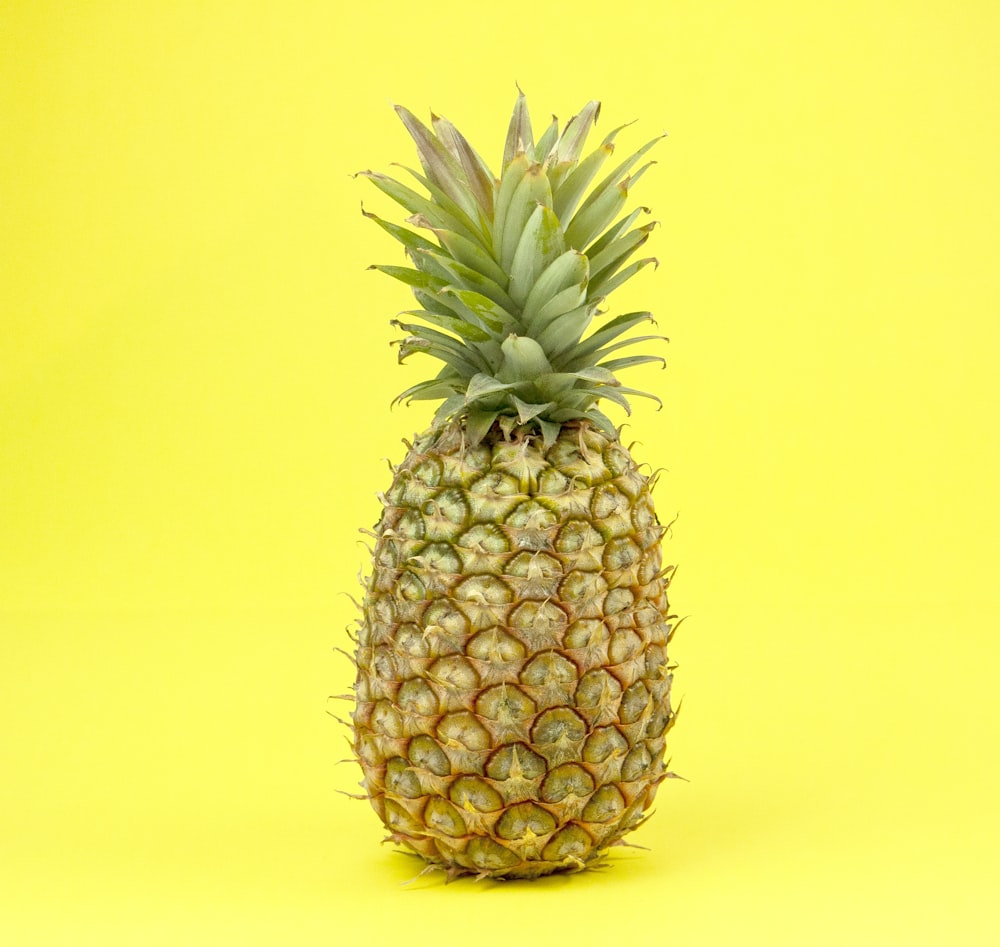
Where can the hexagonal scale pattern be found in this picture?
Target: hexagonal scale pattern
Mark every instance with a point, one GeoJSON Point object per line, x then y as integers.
{"type": "Point", "coordinates": [513, 690]}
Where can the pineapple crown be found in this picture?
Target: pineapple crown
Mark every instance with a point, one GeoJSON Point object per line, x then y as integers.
{"type": "Point", "coordinates": [516, 274]}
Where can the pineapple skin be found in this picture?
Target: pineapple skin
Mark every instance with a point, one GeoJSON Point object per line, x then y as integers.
{"type": "Point", "coordinates": [513, 687]}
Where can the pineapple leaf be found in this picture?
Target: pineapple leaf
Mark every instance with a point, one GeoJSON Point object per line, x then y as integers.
{"type": "Point", "coordinates": [523, 359]}
{"type": "Point", "coordinates": [512, 177]}
{"type": "Point", "coordinates": [540, 245]}
{"type": "Point", "coordinates": [640, 394]}
{"type": "Point", "coordinates": [598, 356]}
{"type": "Point", "coordinates": [527, 411]}
{"type": "Point", "coordinates": [554, 385]}
{"type": "Point", "coordinates": [595, 373]}
{"type": "Point", "coordinates": [543, 146]}
{"type": "Point", "coordinates": [473, 256]}
{"type": "Point", "coordinates": [574, 137]}
{"type": "Point", "coordinates": [612, 393]}
{"type": "Point", "coordinates": [432, 262]}
{"type": "Point", "coordinates": [606, 262]}
{"type": "Point", "coordinates": [455, 217]}
{"type": "Point", "coordinates": [450, 322]}
{"type": "Point", "coordinates": [415, 278]}
{"type": "Point", "coordinates": [438, 163]}
{"type": "Point", "coordinates": [519, 135]}
{"type": "Point", "coordinates": [433, 302]}
{"type": "Point", "coordinates": [568, 271]}
{"type": "Point", "coordinates": [550, 432]}
{"type": "Point", "coordinates": [591, 219]}
{"type": "Point", "coordinates": [478, 423]}
{"type": "Point", "coordinates": [459, 273]}
{"type": "Point", "coordinates": [481, 385]}
{"type": "Point", "coordinates": [477, 172]}
{"type": "Point", "coordinates": [484, 308]}
{"type": "Point", "coordinates": [610, 284]}
{"type": "Point", "coordinates": [617, 364]}
{"type": "Point", "coordinates": [567, 193]}
{"type": "Point", "coordinates": [565, 301]}
{"type": "Point", "coordinates": [600, 420]}
{"type": "Point", "coordinates": [532, 190]}
{"type": "Point", "coordinates": [432, 389]}
{"type": "Point", "coordinates": [583, 353]}
{"type": "Point", "coordinates": [622, 169]}
{"type": "Point", "coordinates": [409, 239]}
{"type": "Point", "coordinates": [508, 273]}
{"type": "Point", "coordinates": [614, 232]}
{"type": "Point", "coordinates": [415, 203]}
{"type": "Point", "coordinates": [565, 330]}
{"type": "Point", "coordinates": [451, 406]}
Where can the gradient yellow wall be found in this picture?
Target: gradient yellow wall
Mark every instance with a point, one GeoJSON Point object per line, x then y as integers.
{"type": "Point", "coordinates": [195, 378]}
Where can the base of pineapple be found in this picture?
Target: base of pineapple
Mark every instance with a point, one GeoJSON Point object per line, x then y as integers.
{"type": "Point", "coordinates": [572, 848]}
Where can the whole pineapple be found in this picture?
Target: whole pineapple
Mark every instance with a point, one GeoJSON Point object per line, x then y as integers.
{"type": "Point", "coordinates": [513, 688]}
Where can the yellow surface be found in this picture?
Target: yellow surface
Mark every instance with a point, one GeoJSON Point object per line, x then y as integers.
{"type": "Point", "coordinates": [194, 386]}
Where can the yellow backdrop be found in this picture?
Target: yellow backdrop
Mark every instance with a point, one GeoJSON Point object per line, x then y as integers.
{"type": "Point", "coordinates": [195, 376]}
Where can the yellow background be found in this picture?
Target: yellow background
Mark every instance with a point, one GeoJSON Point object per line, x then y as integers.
{"type": "Point", "coordinates": [194, 420]}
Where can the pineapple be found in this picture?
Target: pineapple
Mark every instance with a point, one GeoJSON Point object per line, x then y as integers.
{"type": "Point", "coordinates": [513, 690]}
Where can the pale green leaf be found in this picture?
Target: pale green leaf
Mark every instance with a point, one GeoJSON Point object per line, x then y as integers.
{"type": "Point", "coordinates": [635, 392]}
{"type": "Point", "coordinates": [612, 283]}
{"type": "Point", "coordinates": [567, 194]}
{"type": "Point", "coordinates": [553, 386]}
{"type": "Point", "coordinates": [568, 300]}
{"type": "Point", "coordinates": [615, 394]}
{"type": "Point", "coordinates": [615, 176]}
{"type": "Point", "coordinates": [481, 385]}
{"type": "Point", "coordinates": [472, 255]}
{"type": "Point", "coordinates": [463, 358]}
{"type": "Point", "coordinates": [629, 361]}
{"type": "Point", "coordinates": [455, 217]}
{"type": "Point", "coordinates": [597, 374]}
{"type": "Point", "coordinates": [550, 432]}
{"type": "Point", "coordinates": [569, 271]}
{"type": "Point", "coordinates": [574, 137]}
{"type": "Point", "coordinates": [464, 277]}
{"type": "Point", "coordinates": [598, 356]}
{"type": "Point", "coordinates": [520, 139]}
{"type": "Point", "coordinates": [527, 411]}
{"type": "Point", "coordinates": [452, 323]}
{"type": "Point", "coordinates": [544, 144]}
{"type": "Point", "coordinates": [523, 359]}
{"type": "Point", "coordinates": [478, 424]}
{"type": "Point", "coordinates": [532, 190]}
{"type": "Point", "coordinates": [564, 332]}
{"type": "Point", "coordinates": [438, 163]}
{"type": "Point", "coordinates": [540, 245]}
{"type": "Point", "coordinates": [412, 277]}
{"type": "Point", "coordinates": [409, 239]}
{"type": "Point", "coordinates": [591, 219]}
{"type": "Point", "coordinates": [512, 176]}
{"type": "Point", "coordinates": [481, 306]}
{"type": "Point", "coordinates": [450, 407]}
{"type": "Point", "coordinates": [434, 389]}
{"type": "Point", "coordinates": [477, 172]}
{"type": "Point", "coordinates": [605, 262]}
{"type": "Point", "coordinates": [600, 420]}
{"type": "Point", "coordinates": [415, 203]}
{"type": "Point", "coordinates": [613, 233]}
{"type": "Point", "coordinates": [583, 353]}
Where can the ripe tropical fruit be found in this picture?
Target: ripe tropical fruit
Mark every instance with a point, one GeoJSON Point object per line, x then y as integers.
{"type": "Point", "coordinates": [513, 687]}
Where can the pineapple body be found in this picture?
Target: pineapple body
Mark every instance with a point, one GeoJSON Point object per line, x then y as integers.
{"type": "Point", "coordinates": [513, 689]}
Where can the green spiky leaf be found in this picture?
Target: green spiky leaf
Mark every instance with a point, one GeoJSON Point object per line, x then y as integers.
{"type": "Point", "coordinates": [510, 291]}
